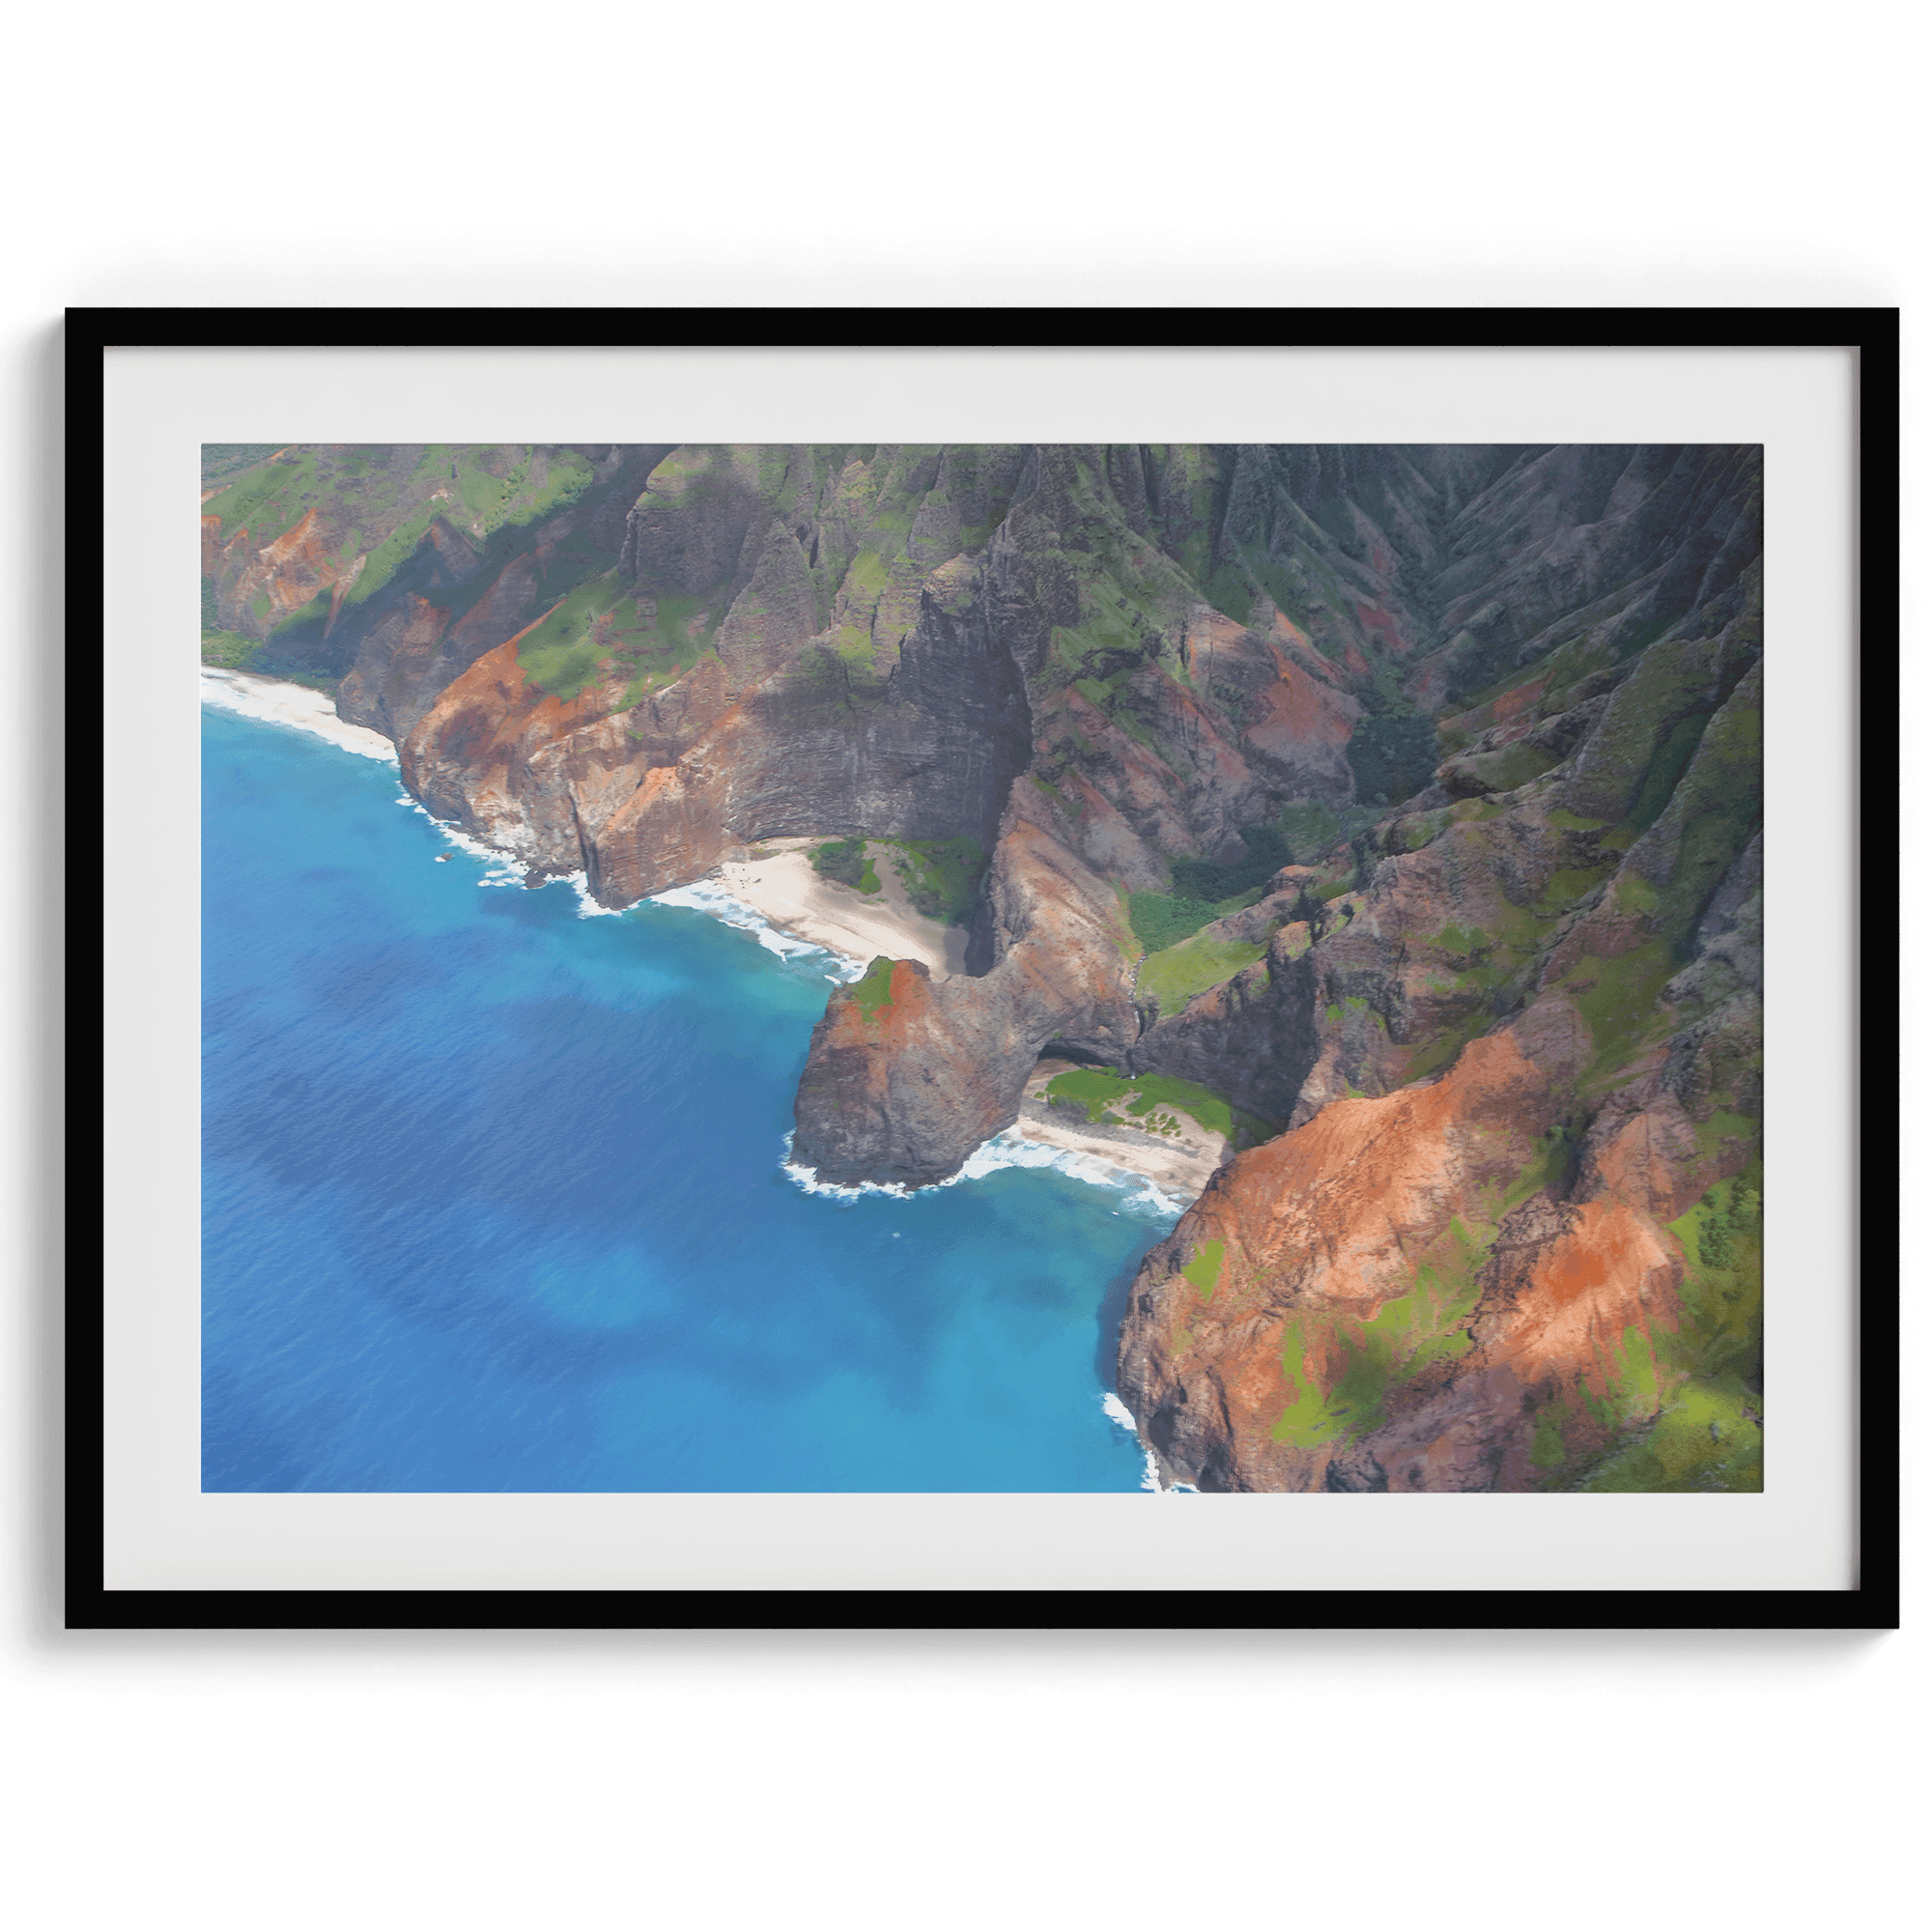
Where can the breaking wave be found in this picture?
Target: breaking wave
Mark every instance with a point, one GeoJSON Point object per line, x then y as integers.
{"type": "Point", "coordinates": [227, 693]}
{"type": "Point", "coordinates": [501, 868]}
{"type": "Point", "coordinates": [707, 896]}
{"type": "Point", "coordinates": [1116, 1411]}
{"type": "Point", "coordinates": [1009, 1147]}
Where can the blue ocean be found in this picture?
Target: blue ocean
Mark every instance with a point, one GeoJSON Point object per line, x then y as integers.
{"type": "Point", "coordinates": [494, 1196]}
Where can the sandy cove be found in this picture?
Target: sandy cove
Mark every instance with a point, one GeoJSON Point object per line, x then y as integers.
{"type": "Point", "coordinates": [1182, 1163]}
{"type": "Point", "coordinates": [270, 701]}
{"type": "Point", "coordinates": [776, 879]}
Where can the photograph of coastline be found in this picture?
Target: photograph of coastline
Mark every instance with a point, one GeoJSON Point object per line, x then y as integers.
{"type": "Point", "coordinates": [952, 968]}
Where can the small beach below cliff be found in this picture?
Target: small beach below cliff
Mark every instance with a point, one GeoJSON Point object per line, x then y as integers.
{"type": "Point", "coordinates": [776, 879]}
{"type": "Point", "coordinates": [1178, 1174]}
{"type": "Point", "coordinates": [270, 701]}
{"type": "Point", "coordinates": [1181, 1164]}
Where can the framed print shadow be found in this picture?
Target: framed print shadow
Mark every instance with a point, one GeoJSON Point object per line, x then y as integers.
{"type": "Point", "coordinates": [983, 968]}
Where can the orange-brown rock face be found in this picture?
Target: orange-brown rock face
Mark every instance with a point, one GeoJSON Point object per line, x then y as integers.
{"type": "Point", "coordinates": [285, 573]}
{"type": "Point", "coordinates": [677, 819]}
{"type": "Point", "coordinates": [478, 757]}
{"type": "Point", "coordinates": [1528, 1259]}
{"type": "Point", "coordinates": [901, 1085]}
{"type": "Point", "coordinates": [393, 666]}
{"type": "Point", "coordinates": [1422, 1291]}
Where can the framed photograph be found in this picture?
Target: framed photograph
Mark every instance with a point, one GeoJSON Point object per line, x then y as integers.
{"type": "Point", "coordinates": [981, 968]}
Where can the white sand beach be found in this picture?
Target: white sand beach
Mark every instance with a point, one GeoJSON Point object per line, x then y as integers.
{"type": "Point", "coordinates": [779, 881]}
{"type": "Point", "coordinates": [274, 702]}
{"type": "Point", "coordinates": [1179, 1164]}
{"type": "Point", "coordinates": [1175, 1170]}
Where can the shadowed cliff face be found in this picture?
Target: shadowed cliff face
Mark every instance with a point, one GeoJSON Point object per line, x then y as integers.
{"type": "Point", "coordinates": [788, 645]}
{"type": "Point", "coordinates": [1405, 797]}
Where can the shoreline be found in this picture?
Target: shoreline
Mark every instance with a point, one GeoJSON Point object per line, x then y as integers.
{"type": "Point", "coordinates": [1181, 1162]}
{"type": "Point", "coordinates": [774, 881]}
{"type": "Point", "coordinates": [268, 700]}
{"type": "Point", "coordinates": [1177, 1170]}
{"type": "Point", "coordinates": [1091, 1162]}
{"type": "Point", "coordinates": [779, 887]}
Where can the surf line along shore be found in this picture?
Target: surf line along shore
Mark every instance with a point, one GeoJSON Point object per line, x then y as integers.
{"type": "Point", "coordinates": [775, 879]}
{"type": "Point", "coordinates": [270, 701]}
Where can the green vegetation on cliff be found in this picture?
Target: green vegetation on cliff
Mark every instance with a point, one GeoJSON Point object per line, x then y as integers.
{"type": "Point", "coordinates": [1163, 920]}
{"type": "Point", "coordinates": [1710, 1431]}
{"type": "Point", "coordinates": [873, 990]}
{"type": "Point", "coordinates": [370, 511]}
{"type": "Point", "coordinates": [1174, 975]}
{"type": "Point", "coordinates": [1403, 1338]}
{"type": "Point", "coordinates": [223, 648]}
{"type": "Point", "coordinates": [227, 459]}
{"type": "Point", "coordinates": [268, 498]}
{"type": "Point", "coordinates": [1134, 1097]}
{"type": "Point", "coordinates": [1392, 758]}
{"type": "Point", "coordinates": [1205, 1270]}
{"type": "Point", "coordinates": [1205, 891]}
{"type": "Point", "coordinates": [1684, 1400]}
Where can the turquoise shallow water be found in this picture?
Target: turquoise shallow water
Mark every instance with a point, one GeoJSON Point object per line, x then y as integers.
{"type": "Point", "coordinates": [493, 1197]}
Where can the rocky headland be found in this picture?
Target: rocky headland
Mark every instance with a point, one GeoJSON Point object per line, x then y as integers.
{"type": "Point", "coordinates": [1399, 806]}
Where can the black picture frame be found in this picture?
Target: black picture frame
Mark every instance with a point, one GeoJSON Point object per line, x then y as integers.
{"type": "Point", "coordinates": [1871, 335]}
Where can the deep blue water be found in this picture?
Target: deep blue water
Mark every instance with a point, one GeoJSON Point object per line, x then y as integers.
{"type": "Point", "coordinates": [493, 1197]}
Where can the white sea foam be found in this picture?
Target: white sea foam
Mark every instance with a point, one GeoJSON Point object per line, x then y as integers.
{"type": "Point", "coordinates": [295, 707]}
{"type": "Point", "coordinates": [500, 867]}
{"type": "Point", "coordinates": [1009, 1149]}
{"type": "Point", "coordinates": [1012, 1148]}
{"type": "Point", "coordinates": [1117, 1410]}
{"type": "Point", "coordinates": [1150, 1481]}
{"type": "Point", "coordinates": [587, 906]}
{"type": "Point", "coordinates": [810, 1182]}
{"type": "Point", "coordinates": [707, 895]}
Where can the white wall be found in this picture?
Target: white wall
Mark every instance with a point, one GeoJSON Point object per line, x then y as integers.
{"type": "Point", "coordinates": [1652, 153]}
